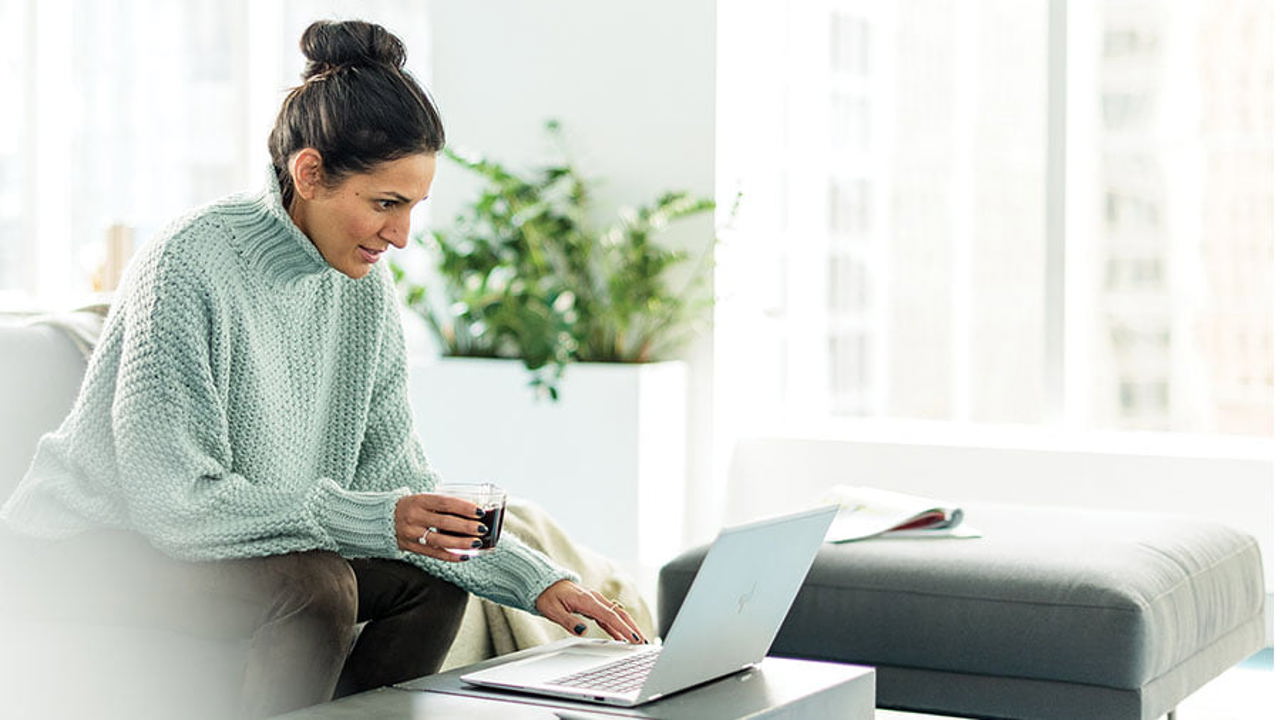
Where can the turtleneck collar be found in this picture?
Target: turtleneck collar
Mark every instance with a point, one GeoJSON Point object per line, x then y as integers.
{"type": "Point", "coordinates": [270, 241]}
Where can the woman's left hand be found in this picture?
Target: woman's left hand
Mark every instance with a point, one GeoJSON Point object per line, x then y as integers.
{"type": "Point", "coordinates": [564, 601]}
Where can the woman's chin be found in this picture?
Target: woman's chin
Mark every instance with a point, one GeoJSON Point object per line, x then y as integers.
{"type": "Point", "coordinates": [356, 271]}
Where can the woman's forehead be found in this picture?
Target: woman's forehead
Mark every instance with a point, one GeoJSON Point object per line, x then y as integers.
{"type": "Point", "coordinates": [409, 177]}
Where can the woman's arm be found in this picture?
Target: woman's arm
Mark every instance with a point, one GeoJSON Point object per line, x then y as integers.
{"type": "Point", "coordinates": [169, 428]}
{"type": "Point", "coordinates": [512, 574]}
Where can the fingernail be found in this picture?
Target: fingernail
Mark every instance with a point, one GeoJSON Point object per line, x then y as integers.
{"type": "Point", "coordinates": [579, 629]}
{"type": "Point", "coordinates": [482, 528]}
{"type": "Point", "coordinates": [465, 557]}
{"type": "Point", "coordinates": [476, 543]}
{"type": "Point", "coordinates": [479, 512]}
{"type": "Point", "coordinates": [635, 637]}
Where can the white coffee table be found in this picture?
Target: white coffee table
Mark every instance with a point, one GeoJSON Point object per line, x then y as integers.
{"type": "Point", "coordinates": [779, 689]}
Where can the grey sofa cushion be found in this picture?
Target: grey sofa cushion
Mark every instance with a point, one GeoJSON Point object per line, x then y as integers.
{"type": "Point", "coordinates": [1106, 599]}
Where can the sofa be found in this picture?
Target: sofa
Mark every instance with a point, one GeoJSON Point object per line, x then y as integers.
{"type": "Point", "coordinates": [53, 665]}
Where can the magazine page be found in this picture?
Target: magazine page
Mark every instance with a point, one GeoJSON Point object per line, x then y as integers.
{"type": "Point", "coordinates": [869, 512]}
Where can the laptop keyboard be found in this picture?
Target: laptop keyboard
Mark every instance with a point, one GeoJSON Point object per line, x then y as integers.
{"type": "Point", "coordinates": [625, 675]}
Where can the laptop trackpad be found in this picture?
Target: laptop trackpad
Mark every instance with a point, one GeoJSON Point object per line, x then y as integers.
{"type": "Point", "coordinates": [551, 666]}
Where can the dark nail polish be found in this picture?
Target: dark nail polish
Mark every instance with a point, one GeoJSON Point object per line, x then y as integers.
{"type": "Point", "coordinates": [479, 512]}
{"type": "Point", "coordinates": [465, 557]}
{"type": "Point", "coordinates": [476, 543]}
{"type": "Point", "coordinates": [579, 629]}
{"type": "Point", "coordinates": [482, 528]}
{"type": "Point", "coordinates": [635, 637]}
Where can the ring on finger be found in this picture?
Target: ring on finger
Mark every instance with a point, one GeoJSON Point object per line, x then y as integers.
{"type": "Point", "coordinates": [617, 605]}
{"type": "Point", "coordinates": [430, 529]}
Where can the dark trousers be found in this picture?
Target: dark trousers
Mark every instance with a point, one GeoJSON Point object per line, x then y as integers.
{"type": "Point", "coordinates": [299, 615]}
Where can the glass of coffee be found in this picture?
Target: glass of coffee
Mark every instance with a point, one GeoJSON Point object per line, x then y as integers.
{"type": "Point", "coordinates": [491, 499]}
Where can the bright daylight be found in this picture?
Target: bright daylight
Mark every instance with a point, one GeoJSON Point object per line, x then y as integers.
{"type": "Point", "coordinates": [688, 359]}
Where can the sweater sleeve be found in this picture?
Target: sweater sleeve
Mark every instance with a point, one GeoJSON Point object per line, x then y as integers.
{"type": "Point", "coordinates": [391, 455]}
{"type": "Point", "coordinates": [171, 443]}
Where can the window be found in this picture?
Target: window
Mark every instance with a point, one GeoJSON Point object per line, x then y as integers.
{"type": "Point", "coordinates": [13, 138]}
{"type": "Point", "coordinates": [126, 114]}
{"type": "Point", "coordinates": [907, 246]}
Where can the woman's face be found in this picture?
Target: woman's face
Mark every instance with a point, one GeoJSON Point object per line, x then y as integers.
{"type": "Point", "coordinates": [353, 223]}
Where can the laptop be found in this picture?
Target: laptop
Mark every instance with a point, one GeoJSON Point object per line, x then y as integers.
{"type": "Point", "coordinates": [727, 622]}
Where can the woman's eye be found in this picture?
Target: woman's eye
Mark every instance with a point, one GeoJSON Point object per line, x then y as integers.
{"type": "Point", "coordinates": [386, 204]}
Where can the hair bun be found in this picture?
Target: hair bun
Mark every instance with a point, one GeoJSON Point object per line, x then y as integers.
{"type": "Point", "coordinates": [329, 45]}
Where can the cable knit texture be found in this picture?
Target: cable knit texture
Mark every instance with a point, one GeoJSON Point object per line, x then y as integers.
{"type": "Point", "coordinates": [246, 400]}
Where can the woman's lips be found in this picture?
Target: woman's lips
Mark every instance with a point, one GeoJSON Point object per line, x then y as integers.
{"type": "Point", "coordinates": [369, 256]}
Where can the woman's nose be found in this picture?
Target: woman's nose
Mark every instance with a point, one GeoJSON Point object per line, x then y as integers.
{"type": "Point", "coordinates": [396, 232]}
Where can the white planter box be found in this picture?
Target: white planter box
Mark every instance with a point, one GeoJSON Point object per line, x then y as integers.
{"type": "Point", "coordinates": [607, 460]}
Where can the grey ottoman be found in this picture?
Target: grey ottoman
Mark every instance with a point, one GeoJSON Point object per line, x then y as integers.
{"type": "Point", "coordinates": [1051, 615]}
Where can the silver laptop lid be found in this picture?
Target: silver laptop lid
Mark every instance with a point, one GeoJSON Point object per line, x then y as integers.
{"type": "Point", "coordinates": [738, 600]}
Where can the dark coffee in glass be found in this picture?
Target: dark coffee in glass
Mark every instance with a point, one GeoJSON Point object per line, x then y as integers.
{"type": "Point", "coordinates": [491, 499]}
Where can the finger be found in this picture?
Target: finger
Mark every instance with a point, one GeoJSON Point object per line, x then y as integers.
{"type": "Point", "coordinates": [631, 628]}
{"type": "Point", "coordinates": [417, 515]}
{"type": "Point", "coordinates": [557, 614]}
{"type": "Point", "coordinates": [426, 506]}
{"type": "Point", "coordinates": [451, 524]}
{"type": "Point", "coordinates": [615, 620]}
{"type": "Point", "coordinates": [433, 552]}
{"type": "Point", "coordinates": [428, 543]}
{"type": "Point", "coordinates": [447, 540]}
{"type": "Point", "coordinates": [636, 633]}
{"type": "Point", "coordinates": [451, 541]}
{"type": "Point", "coordinates": [599, 610]}
{"type": "Point", "coordinates": [451, 505]}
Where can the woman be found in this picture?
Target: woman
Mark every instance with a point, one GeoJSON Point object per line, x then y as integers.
{"type": "Point", "coordinates": [245, 414]}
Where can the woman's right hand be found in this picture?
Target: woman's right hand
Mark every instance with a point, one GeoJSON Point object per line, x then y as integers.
{"type": "Point", "coordinates": [428, 524]}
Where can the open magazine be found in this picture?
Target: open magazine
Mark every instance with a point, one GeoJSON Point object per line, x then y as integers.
{"type": "Point", "coordinates": [867, 512]}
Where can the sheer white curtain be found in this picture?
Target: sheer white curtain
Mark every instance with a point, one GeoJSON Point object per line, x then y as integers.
{"type": "Point", "coordinates": [130, 112]}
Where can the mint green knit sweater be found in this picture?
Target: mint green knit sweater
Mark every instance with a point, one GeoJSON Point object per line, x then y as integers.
{"type": "Point", "coordinates": [246, 400]}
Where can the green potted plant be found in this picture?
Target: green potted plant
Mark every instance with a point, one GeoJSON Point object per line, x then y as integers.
{"type": "Point", "coordinates": [523, 273]}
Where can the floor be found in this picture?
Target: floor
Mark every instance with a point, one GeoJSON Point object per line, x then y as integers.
{"type": "Point", "coordinates": [1246, 692]}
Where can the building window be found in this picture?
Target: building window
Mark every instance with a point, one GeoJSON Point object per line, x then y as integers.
{"type": "Point", "coordinates": [915, 136]}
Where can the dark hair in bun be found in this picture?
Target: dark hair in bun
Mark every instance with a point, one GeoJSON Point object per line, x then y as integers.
{"type": "Point", "coordinates": [357, 104]}
{"type": "Point", "coordinates": [329, 46]}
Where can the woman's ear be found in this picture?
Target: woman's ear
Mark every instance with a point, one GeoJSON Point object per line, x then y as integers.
{"type": "Point", "coordinates": [307, 170]}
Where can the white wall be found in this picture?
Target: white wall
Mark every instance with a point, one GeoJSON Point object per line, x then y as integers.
{"type": "Point", "coordinates": [633, 84]}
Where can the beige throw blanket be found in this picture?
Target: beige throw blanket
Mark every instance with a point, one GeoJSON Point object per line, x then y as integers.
{"type": "Point", "coordinates": [489, 630]}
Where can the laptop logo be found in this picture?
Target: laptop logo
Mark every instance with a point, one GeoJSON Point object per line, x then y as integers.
{"type": "Point", "coordinates": [746, 598]}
